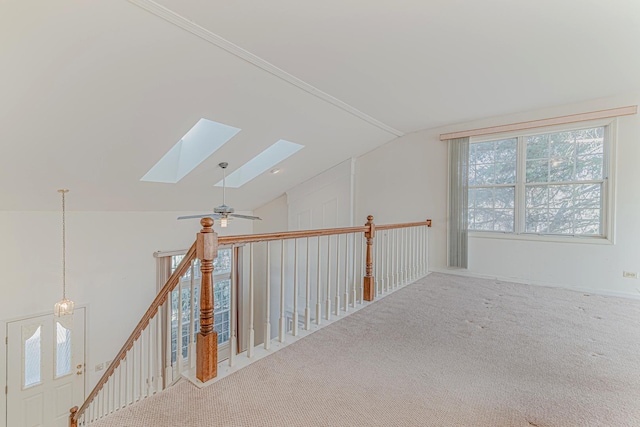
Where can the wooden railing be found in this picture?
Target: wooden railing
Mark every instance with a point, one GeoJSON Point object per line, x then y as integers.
{"type": "Point", "coordinates": [385, 257]}
{"type": "Point", "coordinates": [138, 379]}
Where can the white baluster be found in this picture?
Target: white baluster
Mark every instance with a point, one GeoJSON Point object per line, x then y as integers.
{"type": "Point", "coordinates": [416, 248]}
{"type": "Point", "coordinates": [281, 323]}
{"type": "Point", "coordinates": [191, 348]}
{"type": "Point", "coordinates": [123, 382]}
{"type": "Point", "coordinates": [328, 300]}
{"type": "Point", "coordinates": [233, 339]}
{"type": "Point", "coordinates": [105, 399]}
{"type": "Point", "coordinates": [381, 262]}
{"type": "Point", "coordinates": [307, 309]}
{"type": "Point", "coordinates": [346, 273]}
{"type": "Point", "coordinates": [376, 262]}
{"type": "Point", "coordinates": [159, 383]}
{"type": "Point", "coordinates": [422, 249]}
{"type": "Point", "coordinates": [112, 392]}
{"type": "Point", "coordinates": [413, 253]}
{"type": "Point", "coordinates": [141, 371]}
{"type": "Point", "coordinates": [426, 252]}
{"type": "Point", "coordinates": [294, 330]}
{"type": "Point", "coordinates": [250, 334]}
{"type": "Point", "coordinates": [392, 257]}
{"type": "Point", "coordinates": [353, 270]}
{"type": "Point", "coordinates": [401, 243]}
{"type": "Point", "coordinates": [394, 272]}
{"type": "Point", "coordinates": [149, 380]}
{"type": "Point", "coordinates": [318, 289]}
{"type": "Point", "coordinates": [417, 251]}
{"type": "Point", "coordinates": [179, 356]}
{"type": "Point", "coordinates": [267, 320]}
{"type": "Point", "coordinates": [168, 362]}
{"type": "Point", "coordinates": [423, 264]}
{"type": "Point", "coordinates": [387, 251]}
{"type": "Point", "coordinates": [361, 269]}
{"type": "Point", "coordinates": [337, 307]}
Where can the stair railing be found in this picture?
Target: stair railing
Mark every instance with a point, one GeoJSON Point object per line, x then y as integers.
{"type": "Point", "coordinates": [323, 273]}
{"type": "Point", "coordinates": [137, 371]}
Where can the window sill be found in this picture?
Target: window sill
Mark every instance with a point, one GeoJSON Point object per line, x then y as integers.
{"type": "Point", "coordinates": [540, 238]}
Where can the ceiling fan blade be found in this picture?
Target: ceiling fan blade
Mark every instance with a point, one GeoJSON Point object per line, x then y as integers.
{"type": "Point", "coordinates": [209, 215]}
{"type": "Point", "coordinates": [245, 216]}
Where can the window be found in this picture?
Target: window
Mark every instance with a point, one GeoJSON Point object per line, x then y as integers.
{"type": "Point", "coordinates": [546, 183]}
{"type": "Point", "coordinates": [222, 301]}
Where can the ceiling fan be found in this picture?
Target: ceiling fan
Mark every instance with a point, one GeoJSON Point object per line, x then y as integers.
{"type": "Point", "coordinates": [222, 212]}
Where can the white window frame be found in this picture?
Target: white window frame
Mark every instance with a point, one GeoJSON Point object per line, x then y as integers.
{"type": "Point", "coordinates": [608, 188]}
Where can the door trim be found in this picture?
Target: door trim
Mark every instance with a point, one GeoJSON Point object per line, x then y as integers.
{"type": "Point", "coordinates": [4, 326]}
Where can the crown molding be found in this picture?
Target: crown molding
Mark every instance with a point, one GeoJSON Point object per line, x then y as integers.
{"type": "Point", "coordinates": [195, 29]}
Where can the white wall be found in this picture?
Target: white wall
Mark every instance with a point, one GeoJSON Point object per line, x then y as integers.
{"type": "Point", "coordinates": [110, 267]}
{"type": "Point", "coordinates": [406, 179]}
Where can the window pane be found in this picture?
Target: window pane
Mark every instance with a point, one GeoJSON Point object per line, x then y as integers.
{"type": "Point", "coordinates": [561, 170]}
{"type": "Point", "coordinates": [506, 150]}
{"type": "Point", "coordinates": [536, 196]}
{"type": "Point", "coordinates": [538, 147]}
{"type": "Point", "coordinates": [505, 173]}
{"type": "Point", "coordinates": [483, 152]}
{"type": "Point", "coordinates": [537, 221]}
{"type": "Point", "coordinates": [589, 167]}
{"type": "Point", "coordinates": [565, 156]}
{"type": "Point", "coordinates": [492, 209]}
{"type": "Point", "coordinates": [222, 264]}
{"type": "Point", "coordinates": [538, 170]}
{"type": "Point", "coordinates": [564, 209]}
{"type": "Point", "coordinates": [63, 350]}
{"type": "Point", "coordinates": [483, 174]}
{"type": "Point", "coordinates": [32, 357]}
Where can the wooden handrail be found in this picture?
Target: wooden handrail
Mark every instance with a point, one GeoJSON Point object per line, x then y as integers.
{"type": "Point", "coordinates": [404, 225]}
{"type": "Point", "coordinates": [251, 238]}
{"type": "Point", "coordinates": [172, 282]}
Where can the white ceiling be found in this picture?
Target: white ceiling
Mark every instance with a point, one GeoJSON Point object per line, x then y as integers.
{"type": "Point", "coordinates": [95, 93]}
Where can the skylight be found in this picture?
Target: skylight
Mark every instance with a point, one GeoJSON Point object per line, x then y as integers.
{"type": "Point", "coordinates": [202, 140]}
{"type": "Point", "coordinates": [261, 163]}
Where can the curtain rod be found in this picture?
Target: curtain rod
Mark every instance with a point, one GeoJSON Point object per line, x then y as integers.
{"type": "Point", "coordinates": [573, 118]}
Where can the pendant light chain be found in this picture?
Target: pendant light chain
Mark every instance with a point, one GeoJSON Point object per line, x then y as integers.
{"type": "Point", "coordinates": [65, 306]}
{"type": "Point", "coordinates": [64, 248]}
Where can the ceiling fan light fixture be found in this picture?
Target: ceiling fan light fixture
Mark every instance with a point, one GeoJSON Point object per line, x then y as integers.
{"type": "Point", "coordinates": [224, 222]}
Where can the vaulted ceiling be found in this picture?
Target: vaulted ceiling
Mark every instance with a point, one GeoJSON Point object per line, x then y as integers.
{"type": "Point", "coordinates": [94, 93]}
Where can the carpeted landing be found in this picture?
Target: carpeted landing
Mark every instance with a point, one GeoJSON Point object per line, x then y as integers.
{"type": "Point", "coordinates": [445, 351]}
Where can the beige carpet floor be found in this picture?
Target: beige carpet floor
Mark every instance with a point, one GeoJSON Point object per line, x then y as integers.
{"type": "Point", "coordinates": [445, 351]}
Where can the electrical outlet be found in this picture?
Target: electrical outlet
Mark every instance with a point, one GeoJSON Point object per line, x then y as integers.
{"type": "Point", "coordinates": [99, 367]}
{"type": "Point", "coordinates": [630, 274]}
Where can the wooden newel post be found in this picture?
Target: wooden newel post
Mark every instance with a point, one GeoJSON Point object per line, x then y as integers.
{"type": "Point", "coordinates": [369, 285]}
{"type": "Point", "coordinates": [207, 339]}
{"type": "Point", "coordinates": [72, 421]}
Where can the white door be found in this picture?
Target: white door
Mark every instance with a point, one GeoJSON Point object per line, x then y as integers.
{"type": "Point", "coordinates": [45, 369]}
{"type": "Point", "coordinates": [324, 201]}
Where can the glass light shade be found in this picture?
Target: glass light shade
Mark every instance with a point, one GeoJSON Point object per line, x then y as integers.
{"type": "Point", "coordinates": [224, 222]}
{"type": "Point", "coordinates": [63, 308]}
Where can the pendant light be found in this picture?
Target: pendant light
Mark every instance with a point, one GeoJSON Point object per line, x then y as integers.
{"type": "Point", "coordinates": [65, 306]}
